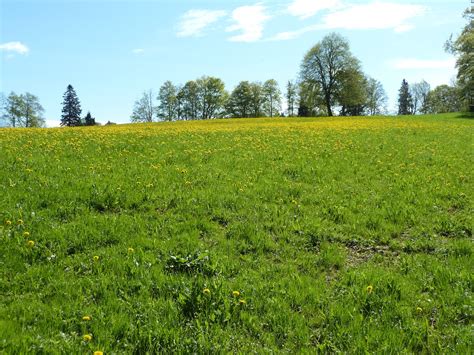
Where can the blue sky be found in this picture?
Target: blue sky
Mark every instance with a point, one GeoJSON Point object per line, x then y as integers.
{"type": "Point", "coordinates": [113, 50]}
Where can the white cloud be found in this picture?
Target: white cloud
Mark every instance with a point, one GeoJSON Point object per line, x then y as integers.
{"type": "Point", "coordinates": [372, 16]}
{"type": "Point", "coordinates": [138, 51]}
{"type": "Point", "coordinates": [250, 20]}
{"type": "Point", "coordinates": [376, 15]}
{"type": "Point", "coordinates": [14, 47]}
{"type": "Point", "coordinates": [194, 22]}
{"type": "Point", "coordinates": [410, 63]}
{"type": "Point", "coordinates": [308, 8]}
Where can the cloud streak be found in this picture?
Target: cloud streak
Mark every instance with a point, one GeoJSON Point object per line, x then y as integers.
{"type": "Point", "coordinates": [307, 8]}
{"type": "Point", "coordinates": [376, 15]}
{"type": "Point", "coordinates": [14, 47]}
{"type": "Point", "coordinates": [371, 16]}
{"type": "Point", "coordinates": [194, 22]}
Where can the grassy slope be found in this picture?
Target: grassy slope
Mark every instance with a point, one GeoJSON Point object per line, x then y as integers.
{"type": "Point", "coordinates": [298, 215]}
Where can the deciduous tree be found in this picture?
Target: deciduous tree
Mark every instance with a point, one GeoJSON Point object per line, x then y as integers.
{"type": "Point", "coordinates": [442, 99]}
{"type": "Point", "coordinates": [167, 107]}
{"type": "Point", "coordinates": [463, 48]}
{"type": "Point", "coordinates": [31, 111]}
{"type": "Point", "coordinates": [144, 110]}
{"type": "Point", "coordinates": [327, 65]}
{"type": "Point", "coordinates": [376, 98]}
{"type": "Point", "coordinates": [419, 93]}
{"type": "Point", "coordinates": [212, 97]}
{"type": "Point", "coordinates": [240, 100]}
{"type": "Point", "coordinates": [272, 97]}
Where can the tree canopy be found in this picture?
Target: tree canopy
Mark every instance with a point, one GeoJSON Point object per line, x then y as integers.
{"type": "Point", "coordinates": [330, 66]}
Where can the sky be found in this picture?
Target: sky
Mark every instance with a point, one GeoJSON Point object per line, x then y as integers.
{"type": "Point", "coordinates": [111, 51]}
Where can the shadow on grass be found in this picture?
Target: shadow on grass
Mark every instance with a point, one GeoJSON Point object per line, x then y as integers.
{"type": "Point", "coordinates": [468, 115]}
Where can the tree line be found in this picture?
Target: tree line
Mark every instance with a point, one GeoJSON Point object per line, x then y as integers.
{"type": "Point", "coordinates": [330, 79]}
{"type": "Point", "coordinates": [330, 82]}
{"type": "Point", "coordinates": [419, 98]}
{"type": "Point", "coordinates": [26, 111]}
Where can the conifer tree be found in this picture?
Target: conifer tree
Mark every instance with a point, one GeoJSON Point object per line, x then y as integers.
{"type": "Point", "coordinates": [71, 115]}
{"type": "Point", "coordinates": [89, 120]}
{"type": "Point", "coordinates": [405, 100]}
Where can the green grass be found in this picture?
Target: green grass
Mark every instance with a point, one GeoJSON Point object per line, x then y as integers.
{"type": "Point", "coordinates": [299, 216]}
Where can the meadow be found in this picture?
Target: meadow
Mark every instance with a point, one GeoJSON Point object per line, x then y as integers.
{"type": "Point", "coordinates": [248, 236]}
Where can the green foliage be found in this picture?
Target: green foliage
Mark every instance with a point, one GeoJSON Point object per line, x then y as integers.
{"type": "Point", "coordinates": [291, 98]}
{"type": "Point", "coordinates": [191, 263]}
{"type": "Point", "coordinates": [330, 67]}
{"type": "Point", "coordinates": [89, 120]}
{"type": "Point", "coordinates": [443, 99]}
{"type": "Point", "coordinates": [168, 102]}
{"type": "Point", "coordinates": [22, 110]}
{"type": "Point", "coordinates": [322, 235]}
{"type": "Point", "coordinates": [463, 47]}
{"type": "Point", "coordinates": [272, 98]}
{"type": "Point", "coordinates": [240, 100]}
{"type": "Point", "coordinates": [144, 109]}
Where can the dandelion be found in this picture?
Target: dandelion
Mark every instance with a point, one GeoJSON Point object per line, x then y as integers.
{"type": "Point", "coordinates": [30, 243]}
{"type": "Point", "coordinates": [206, 291]}
{"type": "Point", "coordinates": [86, 318]}
{"type": "Point", "coordinates": [96, 258]}
{"type": "Point", "coordinates": [236, 293]}
{"type": "Point", "coordinates": [87, 337]}
{"type": "Point", "coordinates": [242, 302]}
{"type": "Point", "coordinates": [8, 223]}
{"type": "Point", "coordinates": [26, 234]}
{"type": "Point", "coordinates": [20, 222]}
{"type": "Point", "coordinates": [419, 309]}
{"type": "Point", "coordinates": [98, 352]}
{"type": "Point", "coordinates": [130, 250]}
{"type": "Point", "coordinates": [369, 289]}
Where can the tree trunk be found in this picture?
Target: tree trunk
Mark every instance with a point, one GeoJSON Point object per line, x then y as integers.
{"type": "Point", "coordinates": [328, 106]}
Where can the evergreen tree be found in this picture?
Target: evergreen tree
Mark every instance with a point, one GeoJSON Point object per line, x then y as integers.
{"type": "Point", "coordinates": [405, 100]}
{"type": "Point", "coordinates": [291, 98]}
{"type": "Point", "coordinates": [89, 120]}
{"type": "Point", "coordinates": [71, 108]}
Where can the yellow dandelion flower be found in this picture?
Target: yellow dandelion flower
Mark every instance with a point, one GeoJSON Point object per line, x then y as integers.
{"type": "Point", "coordinates": [130, 250]}
{"type": "Point", "coordinates": [8, 223]}
{"type": "Point", "coordinates": [419, 309]}
{"type": "Point", "coordinates": [20, 222]}
{"type": "Point", "coordinates": [87, 337]}
{"type": "Point", "coordinates": [242, 301]}
{"type": "Point", "coordinates": [98, 352]}
{"type": "Point", "coordinates": [236, 293]}
{"type": "Point", "coordinates": [369, 289]}
{"type": "Point", "coordinates": [96, 258]}
{"type": "Point", "coordinates": [87, 318]}
{"type": "Point", "coordinates": [26, 234]}
{"type": "Point", "coordinates": [206, 291]}
{"type": "Point", "coordinates": [30, 243]}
